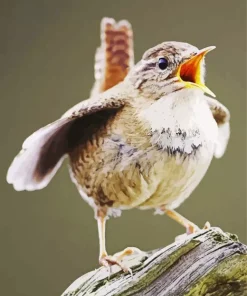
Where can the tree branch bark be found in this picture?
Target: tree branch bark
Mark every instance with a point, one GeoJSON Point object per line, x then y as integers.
{"type": "Point", "coordinates": [210, 263]}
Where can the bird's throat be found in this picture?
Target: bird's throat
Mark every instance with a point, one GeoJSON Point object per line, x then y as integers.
{"type": "Point", "coordinates": [179, 123]}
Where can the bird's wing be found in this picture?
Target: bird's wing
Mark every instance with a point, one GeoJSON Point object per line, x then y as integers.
{"type": "Point", "coordinates": [222, 116]}
{"type": "Point", "coordinates": [115, 56]}
{"type": "Point", "coordinates": [43, 152]}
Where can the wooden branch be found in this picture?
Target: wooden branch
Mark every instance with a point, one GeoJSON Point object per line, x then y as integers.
{"type": "Point", "coordinates": [210, 263]}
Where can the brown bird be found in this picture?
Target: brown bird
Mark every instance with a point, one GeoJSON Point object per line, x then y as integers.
{"type": "Point", "coordinates": [144, 139]}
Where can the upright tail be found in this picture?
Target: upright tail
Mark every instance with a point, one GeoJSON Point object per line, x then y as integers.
{"type": "Point", "coordinates": [115, 56]}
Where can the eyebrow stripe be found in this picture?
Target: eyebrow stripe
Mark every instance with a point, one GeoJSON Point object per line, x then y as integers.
{"type": "Point", "coordinates": [152, 64]}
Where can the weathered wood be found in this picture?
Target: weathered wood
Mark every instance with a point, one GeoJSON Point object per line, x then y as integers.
{"type": "Point", "coordinates": [210, 263]}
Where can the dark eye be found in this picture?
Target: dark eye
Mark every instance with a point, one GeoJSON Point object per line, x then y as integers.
{"type": "Point", "coordinates": [163, 63]}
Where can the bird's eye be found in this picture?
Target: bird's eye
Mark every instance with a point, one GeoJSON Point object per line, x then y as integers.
{"type": "Point", "coordinates": [163, 63]}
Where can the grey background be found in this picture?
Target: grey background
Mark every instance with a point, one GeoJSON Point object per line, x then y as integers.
{"type": "Point", "coordinates": [49, 237]}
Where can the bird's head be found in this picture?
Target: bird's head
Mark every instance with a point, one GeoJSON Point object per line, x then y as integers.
{"type": "Point", "coordinates": [170, 67]}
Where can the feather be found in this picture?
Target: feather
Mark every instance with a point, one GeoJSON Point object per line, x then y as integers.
{"type": "Point", "coordinates": [223, 138]}
{"type": "Point", "coordinates": [222, 116]}
{"type": "Point", "coordinates": [27, 171]}
{"type": "Point", "coordinates": [43, 152]}
{"type": "Point", "coordinates": [115, 56]}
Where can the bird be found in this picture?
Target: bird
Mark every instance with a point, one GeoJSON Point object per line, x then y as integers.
{"type": "Point", "coordinates": [144, 138]}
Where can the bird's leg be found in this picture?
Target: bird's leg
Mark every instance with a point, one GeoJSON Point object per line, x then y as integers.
{"type": "Point", "coordinates": [101, 220]}
{"type": "Point", "coordinates": [190, 226]}
{"type": "Point", "coordinates": [104, 258]}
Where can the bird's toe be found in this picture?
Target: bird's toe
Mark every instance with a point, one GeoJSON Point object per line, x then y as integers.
{"type": "Point", "coordinates": [109, 261]}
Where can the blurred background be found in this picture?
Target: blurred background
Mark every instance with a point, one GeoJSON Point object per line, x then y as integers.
{"type": "Point", "coordinates": [49, 237]}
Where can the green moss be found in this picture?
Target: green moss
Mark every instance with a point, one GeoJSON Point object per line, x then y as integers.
{"type": "Point", "coordinates": [227, 278]}
{"type": "Point", "coordinates": [220, 237]}
{"type": "Point", "coordinates": [233, 237]}
{"type": "Point", "coordinates": [224, 237]}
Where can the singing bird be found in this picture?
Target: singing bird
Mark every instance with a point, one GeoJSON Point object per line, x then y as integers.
{"type": "Point", "coordinates": [144, 139]}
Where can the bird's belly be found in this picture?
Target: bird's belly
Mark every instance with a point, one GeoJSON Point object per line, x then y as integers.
{"type": "Point", "coordinates": [144, 180]}
{"type": "Point", "coordinates": [175, 178]}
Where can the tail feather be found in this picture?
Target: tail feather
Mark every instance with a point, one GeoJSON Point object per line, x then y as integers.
{"type": "Point", "coordinates": [115, 56]}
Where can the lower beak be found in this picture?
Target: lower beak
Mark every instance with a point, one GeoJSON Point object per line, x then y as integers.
{"type": "Point", "coordinates": [192, 72]}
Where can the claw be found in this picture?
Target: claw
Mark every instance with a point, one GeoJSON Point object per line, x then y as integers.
{"type": "Point", "coordinates": [117, 258]}
{"type": "Point", "coordinates": [108, 261]}
{"type": "Point", "coordinates": [207, 225]}
{"type": "Point", "coordinates": [192, 228]}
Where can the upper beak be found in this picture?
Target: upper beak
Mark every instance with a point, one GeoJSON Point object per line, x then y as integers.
{"type": "Point", "coordinates": [191, 72]}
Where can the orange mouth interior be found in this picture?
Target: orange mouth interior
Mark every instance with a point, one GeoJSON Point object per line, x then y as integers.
{"type": "Point", "coordinates": [191, 72]}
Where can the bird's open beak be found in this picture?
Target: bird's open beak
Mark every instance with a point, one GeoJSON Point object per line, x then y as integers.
{"type": "Point", "coordinates": [191, 72]}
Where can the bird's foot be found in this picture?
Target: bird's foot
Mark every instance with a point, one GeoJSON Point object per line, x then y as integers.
{"type": "Point", "coordinates": [116, 259]}
{"type": "Point", "coordinates": [192, 228]}
{"type": "Point", "coordinates": [108, 261]}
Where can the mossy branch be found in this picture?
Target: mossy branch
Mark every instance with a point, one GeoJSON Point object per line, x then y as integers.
{"type": "Point", "coordinates": [210, 263]}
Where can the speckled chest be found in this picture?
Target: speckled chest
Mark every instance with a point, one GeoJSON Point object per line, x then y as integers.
{"type": "Point", "coordinates": [130, 164]}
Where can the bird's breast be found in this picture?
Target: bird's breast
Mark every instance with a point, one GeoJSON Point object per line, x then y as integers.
{"type": "Point", "coordinates": [180, 124]}
{"type": "Point", "coordinates": [184, 134]}
{"type": "Point", "coordinates": [147, 161]}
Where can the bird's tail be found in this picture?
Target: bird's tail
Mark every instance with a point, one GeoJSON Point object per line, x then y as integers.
{"type": "Point", "coordinates": [115, 56]}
